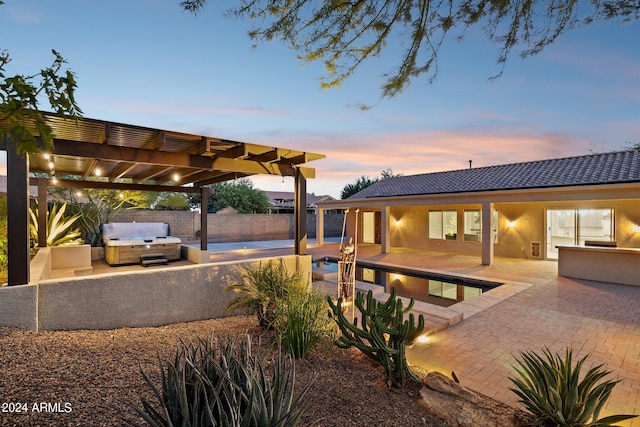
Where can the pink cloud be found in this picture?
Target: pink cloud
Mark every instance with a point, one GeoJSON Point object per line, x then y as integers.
{"type": "Point", "coordinates": [350, 156]}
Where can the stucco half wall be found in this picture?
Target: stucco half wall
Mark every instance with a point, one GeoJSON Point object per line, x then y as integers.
{"type": "Point", "coordinates": [150, 297]}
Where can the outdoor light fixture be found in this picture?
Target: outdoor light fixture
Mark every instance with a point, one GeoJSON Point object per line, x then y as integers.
{"type": "Point", "coordinates": [46, 156]}
{"type": "Point", "coordinates": [511, 224]}
{"type": "Point", "coordinates": [636, 228]}
{"type": "Point", "coordinates": [97, 172]}
{"type": "Point", "coordinates": [422, 339]}
{"type": "Point", "coordinates": [395, 276]}
{"type": "Point", "coordinates": [176, 177]}
{"type": "Point", "coordinates": [51, 165]}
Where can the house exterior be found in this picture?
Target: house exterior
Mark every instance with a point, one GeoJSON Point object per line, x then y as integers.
{"type": "Point", "coordinates": [519, 210]}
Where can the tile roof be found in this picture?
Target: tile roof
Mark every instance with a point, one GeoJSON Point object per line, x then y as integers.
{"type": "Point", "coordinates": [593, 169]}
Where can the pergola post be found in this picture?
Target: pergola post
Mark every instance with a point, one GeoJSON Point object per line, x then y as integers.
{"type": "Point", "coordinates": [17, 216]}
{"type": "Point", "coordinates": [42, 212]}
{"type": "Point", "coordinates": [204, 213]}
{"type": "Point", "coordinates": [300, 213]}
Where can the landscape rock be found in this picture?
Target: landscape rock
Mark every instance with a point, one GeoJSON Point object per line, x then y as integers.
{"type": "Point", "coordinates": [461, 407]}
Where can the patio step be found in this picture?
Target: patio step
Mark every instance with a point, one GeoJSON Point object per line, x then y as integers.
{"type": "Point", "coordinates": [152, 259]}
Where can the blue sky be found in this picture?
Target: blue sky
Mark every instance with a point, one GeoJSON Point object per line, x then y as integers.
{"type": "Point", "coordinates": [145, 62]}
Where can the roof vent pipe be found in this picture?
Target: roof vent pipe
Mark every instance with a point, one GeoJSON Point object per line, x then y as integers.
{"type": "Point", "coordinates": [470, 163]}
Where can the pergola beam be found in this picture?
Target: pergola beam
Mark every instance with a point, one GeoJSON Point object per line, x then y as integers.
{"type": "Point", "coordinates": [168, 159]}
{"type": "Point", "coordinates": [122, 186]}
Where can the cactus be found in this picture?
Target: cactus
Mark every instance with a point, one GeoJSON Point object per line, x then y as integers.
{"type": "Point", "coordinates": [383, 335]}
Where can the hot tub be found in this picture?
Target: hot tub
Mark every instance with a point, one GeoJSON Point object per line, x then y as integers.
{"type": "Point", "coordinates": [139, 242]}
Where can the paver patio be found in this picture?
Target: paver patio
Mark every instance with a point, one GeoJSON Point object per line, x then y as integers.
{"type": "Point", "coordinates": [594, 318]}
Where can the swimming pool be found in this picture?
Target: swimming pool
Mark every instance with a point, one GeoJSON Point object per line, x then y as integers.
{"type": "Point", "coordinates": [439, 289]}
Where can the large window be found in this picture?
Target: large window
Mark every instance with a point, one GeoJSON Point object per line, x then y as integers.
{"type": "Point", "coordinates": [443, 225]}
{"type": "Point", "coordinates": [472, 225]}
{"type": "Point", "coordinates": [575, 226]}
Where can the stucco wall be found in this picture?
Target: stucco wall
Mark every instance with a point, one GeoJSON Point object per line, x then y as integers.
{"type": "Point", "coordinates": [142, 298]}
{"type": "Point", "coordinates": [233, 227]}
{"type": "Point", "coordinates": [19, 306]}
{"type": "Point", "coordinates": [529, 227]}
{"type": "Point", "coordinates": [409, 226]}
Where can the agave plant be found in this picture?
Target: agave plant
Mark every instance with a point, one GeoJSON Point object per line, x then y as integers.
{"type": "Point", "coordinates": [60, 231]}
{"type": "Point", "coordinates": [550, 388]}
{"type": "Point", "coordinates": [206, 387]}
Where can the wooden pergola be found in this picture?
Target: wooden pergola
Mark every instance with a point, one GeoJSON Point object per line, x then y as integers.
{"type": "Point", "coordinates": [101, 154]}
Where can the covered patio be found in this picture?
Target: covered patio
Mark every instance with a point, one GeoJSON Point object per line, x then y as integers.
{"type": "Point", "coordinates": [90, 153]}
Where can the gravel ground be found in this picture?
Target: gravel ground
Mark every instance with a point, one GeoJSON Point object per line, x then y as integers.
{"type": "Point", "coordinates": [86, 378]}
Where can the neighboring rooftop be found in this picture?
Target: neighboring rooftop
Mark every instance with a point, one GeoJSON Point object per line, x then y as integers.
{"type": "Point", "coordinates": [33, 190]}
{"type": "Point", "coordinates": [283, 200]}
{"type": "Point", "coordinates": [593, 169]}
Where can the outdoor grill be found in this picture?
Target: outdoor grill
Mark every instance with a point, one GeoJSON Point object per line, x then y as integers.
{"type": "Point", "coordinates": [146, 243]}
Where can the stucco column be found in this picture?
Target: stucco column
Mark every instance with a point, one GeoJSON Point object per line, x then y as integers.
{"type": "Point", "coordinates": [385, 240]}
{"type": "Point", "coordinates": [320, 226]}
{"type": "Point", "coordinates": [487, 233]}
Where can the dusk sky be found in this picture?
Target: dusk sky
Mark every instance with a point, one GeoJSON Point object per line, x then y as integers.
{"type": "Point", "coordinates": [148, 63]}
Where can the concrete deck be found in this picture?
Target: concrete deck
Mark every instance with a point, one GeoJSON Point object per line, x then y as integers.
{"type": "Point", "coordinates": [535, 309]}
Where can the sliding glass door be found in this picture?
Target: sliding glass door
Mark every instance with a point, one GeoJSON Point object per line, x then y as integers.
{"type": "Point", "coordinates": [575, 226]}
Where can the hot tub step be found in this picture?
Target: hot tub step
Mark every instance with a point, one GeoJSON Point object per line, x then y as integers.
{"type": "Point", "coordinates": [152, 259]}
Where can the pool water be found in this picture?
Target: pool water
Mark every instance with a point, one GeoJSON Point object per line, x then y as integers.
{"type": "Point", "coordinates": [442, 290]}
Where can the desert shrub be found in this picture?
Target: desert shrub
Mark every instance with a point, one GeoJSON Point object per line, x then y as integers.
{"type": "Point", "coordinates": [551, 389]}
{"type": "Point", "coordinates": [383, 335]}
{"type": "Point", "coordinates": [284, 302]}
{"type": "Point", "coordinates": [301, 321]}
{"type": "Point", "coordinates": [263, 288]}
{"type": "Point", "coordinates": [206, 386]}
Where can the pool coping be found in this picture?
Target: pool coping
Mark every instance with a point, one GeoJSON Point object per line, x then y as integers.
{"type": "Point", "coordinates": [437, 317]}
